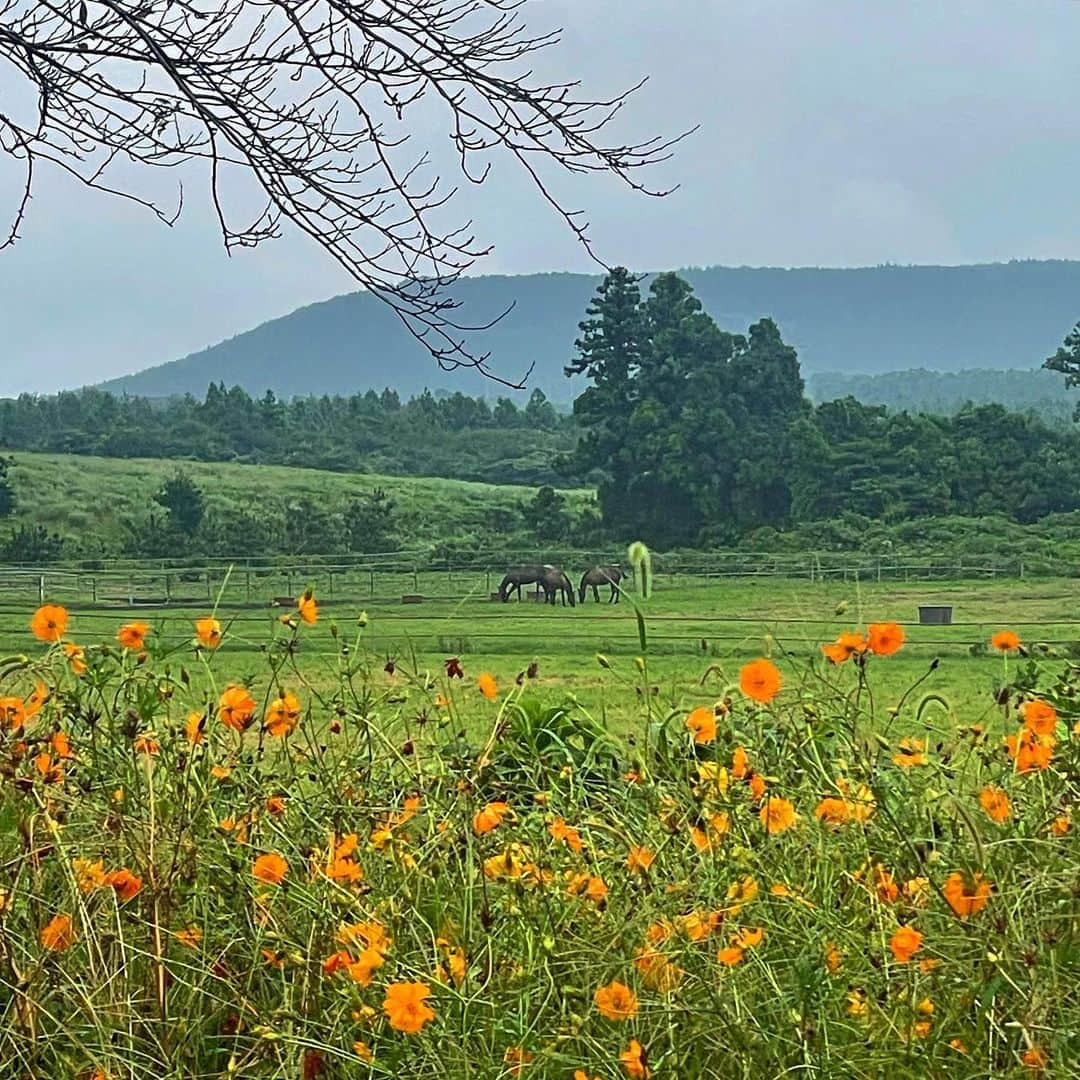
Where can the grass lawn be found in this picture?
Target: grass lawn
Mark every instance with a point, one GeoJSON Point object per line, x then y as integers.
{"type": "Point", "coordinates": [700, 633]}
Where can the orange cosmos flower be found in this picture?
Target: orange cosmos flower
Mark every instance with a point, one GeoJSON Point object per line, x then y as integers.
{"type": "Point", "coordinates": [747, 938]}
{"type": "Point", "coordinates": [834, 959]}
{"type": "Point", "coordinates": [270, 868]}
{"type": "Point", "coordinates": [516, 1058]}
{"type": "Point", "coordinates": [488, 687]}
{"type": "Point", "coordinates": [634, 1061]}
{"type": "Point", "coordinates": [49, 623]}
{"type": "Point", "coordinates": [657, 971]}
{"type": "Point", "coordinates": [905, 943]}
{"type": "Point", "coordinates": [1061, 825]}
{"type": "Point", "coordinates": [12, 712]}
{"type": "Point", "coordinates": [740, 763]}
{"type": "Point", "coordinates": [208, 633]}
{"type": "Point", "coordinates": [275, 805]}
{"type": "Point", "coordinates": [338, 961]}
{"type": "Point", "coordinates": [567, 834]}
{"type": "Point", "coordinates": [885, 884]}
{"type": "Point", "coordinates": [236, 707]}
{"type": "Point", "coordinates": [741, 892]}
{"type": "Point", "coordinates": [307, 608]}
{"type": "Point", "coordinates": [88, 875]}
{"type": "Point", "coordinates": [996, 804]}
{"type": "Point", "coordinates": [844, 647]}
{"type": "Point", "coordinates": [909, 753]}
{"type": "Point", "coordinates": [884, 639]}
{"type": "Point", "coordinates": [966, 896]}
{"type": "Point", "coordinates": [147, 744]}
{"type": "Point", "coordinates": [367, 935]}
{"type": "Point", "coordinates": [190, 937]}
{"type": "Point", "coordinates": [133, 635]}
{"type": "Point", "coordinates": [61, 745]}
{"type": "Point", "coordinates": [587, 885]}
{"type": "Point", "coordinates": [1029, 750]}
{"type": "Point", "coordinates": [404, 1006]}
{"type": "Point", "coordinates": [640, 859]}
{"type": "Point", "coordinates": [490, 817]}
{"type": "Point", "coordinates": [283, 714]}
{"type": "Point", "coordinates": [702, 723]}
{"type": "Point", "coordinates": [194, 727]}
{"type": "Point", "coordinates": [362, 969]}
{"type": "Point", "coordinates": [616, 1001]}
{"type": "Point", "coordinates": [125, 884]}
{"type": "Point", "coordinates": [1005, 641]}
{"type": "Point", "coordinates": [832, 811]}
{"type": "Point", "coordinates": [58, 934]}
{"type": "Point", "coordinates": [1035, 1058]}
{"type": "Point", "coordinates": [730, 955]}
{"type": "Point", "coordinates": [1039, 716]}
{"type": "Point", "coordinates": [76, 656]}
{"type": "Point", "coordinates": [760, 681]}
{"type": "Point", "coordinates": [342, 865]}
{"type": "Point", "coordinates": [777, 815]}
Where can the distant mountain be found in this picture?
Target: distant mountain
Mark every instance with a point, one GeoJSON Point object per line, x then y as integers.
{"type": "Point", "coordinates": [946, 392]}
{"type": "Point", "coordinates": [869, 320]}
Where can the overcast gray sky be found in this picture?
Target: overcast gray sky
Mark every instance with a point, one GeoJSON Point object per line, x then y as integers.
{"type": "Point", "coordinates": [833, 132]}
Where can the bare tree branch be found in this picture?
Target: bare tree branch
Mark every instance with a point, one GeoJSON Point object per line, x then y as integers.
{"type": "Point", "coordinates": [311, 100]}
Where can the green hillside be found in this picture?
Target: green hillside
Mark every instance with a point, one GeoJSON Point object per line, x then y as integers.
{"type": "Point", "coordinates": [93, 503]}
{"type": "Point", "coordinates": [864, 320]}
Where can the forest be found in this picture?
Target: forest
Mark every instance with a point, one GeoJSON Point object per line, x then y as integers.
{"type": "Point", "coordinates": [445, 435]}
{"type": "Point", "coordinates": [701, 437]}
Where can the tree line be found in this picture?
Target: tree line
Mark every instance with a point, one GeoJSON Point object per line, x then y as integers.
{"type": "Point", "coordinates": [698, 436]}
{"type": "Point", "coordinates": [453, 435]}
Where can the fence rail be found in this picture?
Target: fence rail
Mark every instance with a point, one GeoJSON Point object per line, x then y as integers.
{"type": "Point", "coordinates": [390, 576]}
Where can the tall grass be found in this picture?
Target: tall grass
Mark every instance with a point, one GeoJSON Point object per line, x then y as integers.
{"type": "Point", "coordinates": [284, 879]}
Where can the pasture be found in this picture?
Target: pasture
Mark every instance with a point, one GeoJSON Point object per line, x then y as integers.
{"type": "Point", "coordinates": [696, 626]}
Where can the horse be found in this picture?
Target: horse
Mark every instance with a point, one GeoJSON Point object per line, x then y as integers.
{"type": "Point", "coordinates": [550, 579]}
{"type": "Point", "coordinates": [523, 575]}
{"type": "Point", "coordinates": [554, 582]}
{"type": "Point", "coordinates": [601, 575]}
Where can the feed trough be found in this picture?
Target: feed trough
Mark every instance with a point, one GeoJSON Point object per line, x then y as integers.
{"type": "Point", "coordinates": [935, 614]}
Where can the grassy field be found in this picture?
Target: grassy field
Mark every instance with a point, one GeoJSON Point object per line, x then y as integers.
{"type": "Point", "coordinates": [698, 630]}
{"type": "Point", "coordinates": [87, 499]}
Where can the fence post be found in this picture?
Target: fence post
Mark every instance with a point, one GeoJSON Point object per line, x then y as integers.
{"type": "Point", "coordinates": [247, 583]}
{"type": "Point", "coordinates": [371, 581]}
{"type": "Point", "coordinates": [41, 589]}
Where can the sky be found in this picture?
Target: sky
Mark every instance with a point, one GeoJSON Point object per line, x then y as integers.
{"type": "Point", "coordinates": [832, 133]}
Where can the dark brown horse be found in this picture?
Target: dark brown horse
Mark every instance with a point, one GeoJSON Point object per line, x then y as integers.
{"type": "Point", "coordinates": [522, 575]}
{"type": "Point", "coordinates": [555, 582]}
{"type": "Point", "coordinates": [549, 578]}
{"type": "Point", "coordinates": [601, 575]}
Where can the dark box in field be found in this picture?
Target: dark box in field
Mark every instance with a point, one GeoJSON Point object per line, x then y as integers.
{"type": "Point", "coordinates": [935, 614]}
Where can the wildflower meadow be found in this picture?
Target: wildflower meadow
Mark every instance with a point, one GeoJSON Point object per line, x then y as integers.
{"type": "Point", "coordinates": [378, 870]}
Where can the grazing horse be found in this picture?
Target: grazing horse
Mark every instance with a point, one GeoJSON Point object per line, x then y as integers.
{"type": "Point", "coordinates": [523, 575]}
{"type": "Point", "coordinates": [601, 575]}
{"type": "Point", "coordinates": [554, 582]}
